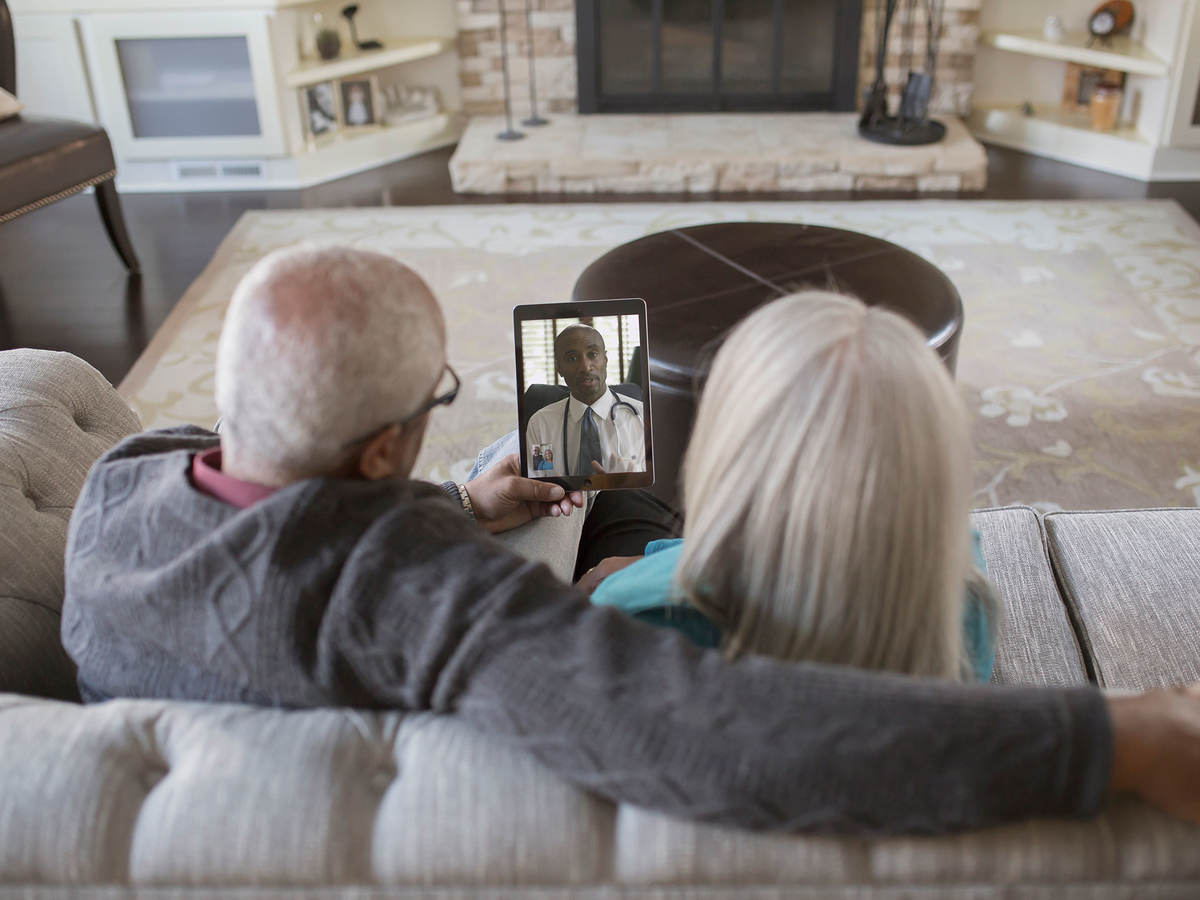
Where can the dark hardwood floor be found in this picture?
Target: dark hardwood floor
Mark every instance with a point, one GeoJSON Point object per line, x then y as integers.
{"type": "Point", "coordinates": [62, 286]}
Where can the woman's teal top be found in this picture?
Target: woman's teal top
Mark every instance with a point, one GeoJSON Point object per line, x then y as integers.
{"type": "Point", "coordinates": [643, 590]}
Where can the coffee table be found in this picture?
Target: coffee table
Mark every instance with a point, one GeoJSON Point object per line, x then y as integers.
{"type": "Point", "coordinates": [698, 282]}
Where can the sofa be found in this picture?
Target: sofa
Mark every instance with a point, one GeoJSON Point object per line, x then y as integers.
{"type": "Point", "coordinates": [169, 799]}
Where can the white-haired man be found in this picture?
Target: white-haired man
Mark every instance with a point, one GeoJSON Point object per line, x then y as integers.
{"type": "Point", "coordinates": [291, 562]}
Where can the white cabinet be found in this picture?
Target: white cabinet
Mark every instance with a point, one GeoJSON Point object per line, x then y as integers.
{"type": "Point", "coordinates": [178, 84]}
{"type": "Point", "coordinates": [1184, 114]}
{"type": "Point", "coordinates": [52, 79]}
{"type": "Point", "coordinates": [208, 94]}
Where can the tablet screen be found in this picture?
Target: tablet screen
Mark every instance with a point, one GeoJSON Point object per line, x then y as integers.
{"type": "Point", "coordinates": [583, 396]}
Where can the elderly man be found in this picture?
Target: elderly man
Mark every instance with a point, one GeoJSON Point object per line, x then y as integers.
{"type": "Point", "coordinates": [592, 428]}
{"type": "Point", "coordinates": [291, 562]}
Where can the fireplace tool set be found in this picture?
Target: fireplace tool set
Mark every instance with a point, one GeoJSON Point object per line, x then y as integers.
{"type": "Point", "coordinates": [509, 133]}
{"type": "Point", "coordinates": [911, 124]}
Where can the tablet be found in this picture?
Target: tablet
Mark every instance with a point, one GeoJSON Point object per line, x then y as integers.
{"type": "Point", "coordinates": [583, 394]}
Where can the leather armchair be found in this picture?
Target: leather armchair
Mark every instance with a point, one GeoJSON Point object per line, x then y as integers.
{"type": "Point", "coordinates": [43, 160]}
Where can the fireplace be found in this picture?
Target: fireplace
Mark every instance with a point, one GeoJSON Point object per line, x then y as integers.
{"type": "Point", "coordinates": [698, 59]}
{"type": "Point", "coordinates": [717, 55]}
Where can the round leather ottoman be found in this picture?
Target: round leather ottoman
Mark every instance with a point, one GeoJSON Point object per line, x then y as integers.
{"type": "Point", "coordinates": [699, 282]}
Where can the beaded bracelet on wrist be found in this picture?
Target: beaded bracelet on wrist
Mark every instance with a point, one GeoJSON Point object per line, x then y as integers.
{"type": "Point", "coordinates": [458, 493]}
{"type": "Point", "coordinates": [467, 506]}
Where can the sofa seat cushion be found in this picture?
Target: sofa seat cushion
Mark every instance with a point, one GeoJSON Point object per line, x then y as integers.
{"type": "Point", "coordinates": [1132, 580]}
{"type": "Point", "coordinates": [170, 798]}
{"type": "Point", "coordinates": [41, 158]}
{"type": "Point", "coordinates": [57, 415]}
{"type": "Point", "coordinates": [1035, 643]}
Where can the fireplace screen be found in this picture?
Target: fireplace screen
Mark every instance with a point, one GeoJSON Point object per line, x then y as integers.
{"type": "Point", "coordinates": [681, 55]}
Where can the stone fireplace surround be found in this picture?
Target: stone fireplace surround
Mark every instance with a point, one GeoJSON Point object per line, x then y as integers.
{"type": "Point", "coordinates": [553, 35]}
{"type": "Point", "coordinates": [693, 153]}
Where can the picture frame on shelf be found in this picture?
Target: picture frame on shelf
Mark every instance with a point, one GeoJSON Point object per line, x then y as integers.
{"type": "Point", "coordinates": [360, 102]}
{"type": "Point", "coordinates": [403, 103]}
{"type": "Point", "coordinates": [321, 112]}
{"type": "Point", "coordinates": [1082, 81]}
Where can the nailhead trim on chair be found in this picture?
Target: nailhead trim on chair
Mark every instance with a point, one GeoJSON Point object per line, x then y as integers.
{"type": "Point", "coordinates": [54, 198]}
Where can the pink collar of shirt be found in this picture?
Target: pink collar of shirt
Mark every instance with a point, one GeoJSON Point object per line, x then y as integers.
{"type": "Point", "coordinates": [208, 478]}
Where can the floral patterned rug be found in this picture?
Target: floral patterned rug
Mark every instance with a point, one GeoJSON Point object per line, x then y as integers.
{"type": "Point", "coordinates": [1080, 358]}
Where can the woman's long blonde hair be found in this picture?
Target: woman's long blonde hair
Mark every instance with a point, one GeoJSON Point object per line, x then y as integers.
{"type": "Point", "coordinates": [826, 489]}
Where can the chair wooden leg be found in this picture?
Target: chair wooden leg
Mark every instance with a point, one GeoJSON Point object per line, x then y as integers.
{"type": "Point", "coordinates": [114, 224]}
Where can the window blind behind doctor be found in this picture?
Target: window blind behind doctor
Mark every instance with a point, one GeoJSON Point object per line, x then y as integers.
{"type": "Point", "coordinates": [620, 335]}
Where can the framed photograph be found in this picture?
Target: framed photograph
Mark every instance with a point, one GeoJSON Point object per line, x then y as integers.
{"type": "Point", "coordinates": [359, 108]}
{"type": "Point", "coordinates": [320, 106]}
{"type": "Point", "coordinates": [1081, 82]}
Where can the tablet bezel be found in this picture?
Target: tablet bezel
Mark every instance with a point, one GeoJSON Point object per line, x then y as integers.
{"type": "Point", "coordinates": [578, 309]}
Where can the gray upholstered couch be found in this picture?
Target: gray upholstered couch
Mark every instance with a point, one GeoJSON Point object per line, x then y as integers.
{"type": "Point", "coordinates": [186, 800]}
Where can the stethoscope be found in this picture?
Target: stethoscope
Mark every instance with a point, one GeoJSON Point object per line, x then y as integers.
{"type": "Point", "coordinates": [612, 414]}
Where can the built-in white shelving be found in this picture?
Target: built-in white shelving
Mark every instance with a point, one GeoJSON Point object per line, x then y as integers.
{"type": "Point", "coordinates": [354, 149]}
{"type": "Point", "coordinates": [1026, 99]}
{"type": "Point", "coordinates": [183, 116]}
{"type": "Point", "coordinates": [1121, 54]}
{"type": "Point", "coordinates": [357, 149]}
{"type": "Point", "coordinates": [1051, 131]}
{"type": "Point", "coordinates": [355, 62]}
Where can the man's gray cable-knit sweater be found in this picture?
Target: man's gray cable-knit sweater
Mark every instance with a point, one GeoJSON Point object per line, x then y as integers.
{"type": "Point", "coordinates": [384, 595]}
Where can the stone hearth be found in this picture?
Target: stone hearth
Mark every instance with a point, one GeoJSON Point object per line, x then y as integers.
{"type": "Point", "coordinates": [719, 152]}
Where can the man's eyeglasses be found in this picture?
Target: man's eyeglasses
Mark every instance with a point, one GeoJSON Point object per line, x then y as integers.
{"type": "Point", "coordinates": [443, 399]}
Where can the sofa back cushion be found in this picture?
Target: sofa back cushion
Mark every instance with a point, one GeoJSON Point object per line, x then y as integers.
{"type": "Point", "coordinates": [1035, 643]}
{"type": "Point", "coordinates": [1132, 581]}
{"type": "Point", "coordinates": [152, 798]}
{"type": "Point", "coordinates": [57, 415]}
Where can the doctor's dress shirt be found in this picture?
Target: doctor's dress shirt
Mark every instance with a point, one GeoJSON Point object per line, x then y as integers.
{"type": "Point", "coordinates": [622, 443]}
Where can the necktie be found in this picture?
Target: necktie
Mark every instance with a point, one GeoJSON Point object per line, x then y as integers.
{"type": "Point", "coordinates": [589, 443]}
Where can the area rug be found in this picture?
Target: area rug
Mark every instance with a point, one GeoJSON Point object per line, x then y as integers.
{"type": "Point", "coordinates": [1080, 358]}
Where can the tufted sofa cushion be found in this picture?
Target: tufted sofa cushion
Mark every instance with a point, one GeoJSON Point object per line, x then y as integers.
{"type": "Point", "coordinates": [57, 415]}
{"type": "Point", "coordinates": [180, 799]}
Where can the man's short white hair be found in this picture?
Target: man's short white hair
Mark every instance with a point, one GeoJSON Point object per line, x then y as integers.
{"type": "Point", "coordinates": [320, 346]}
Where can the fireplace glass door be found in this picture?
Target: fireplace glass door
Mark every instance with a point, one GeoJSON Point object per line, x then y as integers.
{"type": "Point", "coordinates": [681, 55]}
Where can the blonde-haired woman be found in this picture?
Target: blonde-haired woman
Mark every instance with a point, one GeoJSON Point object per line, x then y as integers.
{"type": "Point", "coordinates": [826, 493]}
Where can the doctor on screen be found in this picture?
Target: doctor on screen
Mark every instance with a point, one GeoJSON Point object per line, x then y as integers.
{"type": "Point", "coordinates": [594, 429]}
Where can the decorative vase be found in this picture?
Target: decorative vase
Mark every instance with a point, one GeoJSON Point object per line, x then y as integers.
{"type": "Point", "coordinates": [329, 45]}
{"type": "Point", "coordinates": [1105, 108]}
